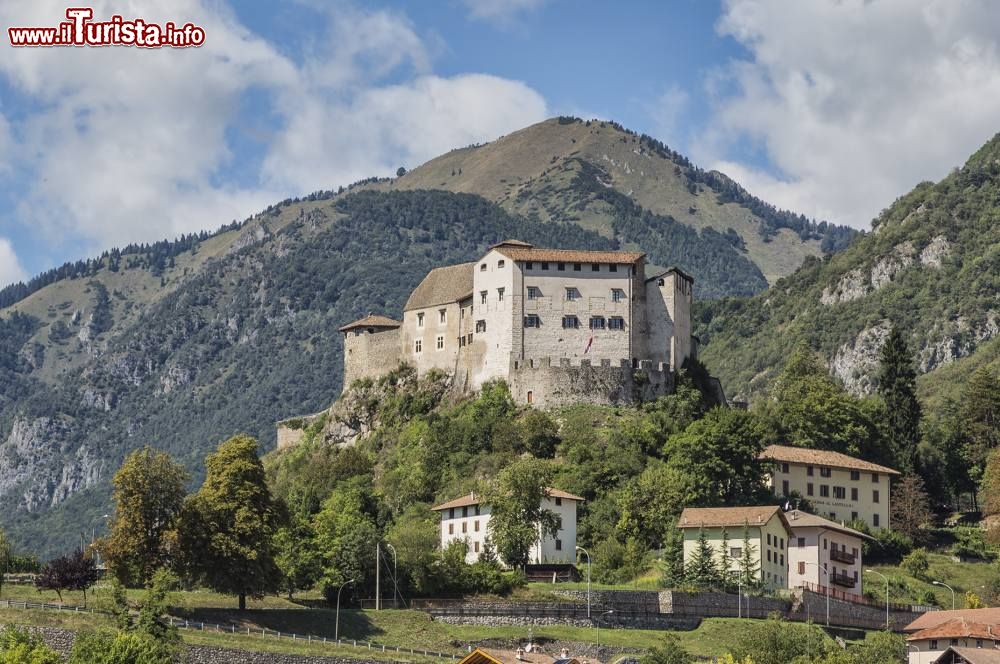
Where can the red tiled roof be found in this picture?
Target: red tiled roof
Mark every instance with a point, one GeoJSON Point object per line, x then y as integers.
{"type": "Point", "coordinates": [812, 457]}
{"type": "Point", "coordinates": [800, 519]}
{"type": "Point", "coordinates": [934, 618]}
{"type": "Point", "coordinates": [371, 320]}
{"type": "Point", "coordinates": [472, 499]}
{"type": "Point", "coordinates": [957, 628]}
{"type": "Point", "coordinates": [717, 517]}
{"type": "Point", "coordinates": [519, 252]}
{"type": "Point", "coordinates": [442, 285]}
{"type": "Point", "coordinates": [971, 655]}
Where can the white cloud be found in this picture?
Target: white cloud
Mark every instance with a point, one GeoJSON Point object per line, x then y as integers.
{"type": "Point", "coordinates": [10, 269]}
{"type": "Point", "coordinates": [502, 11]}
{"type": "Point", "coordinates": [853, 102]}
{"type": "Point", "coordinates": [666, 111]}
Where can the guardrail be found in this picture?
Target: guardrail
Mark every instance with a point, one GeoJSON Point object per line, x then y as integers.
{"type": "Point", "coordinates": [232, 628]}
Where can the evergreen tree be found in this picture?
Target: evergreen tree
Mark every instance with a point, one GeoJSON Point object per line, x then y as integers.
{"type": "Point", "coordinates": [702, 569]}
{"type": "Point", "coordinates": [979, 419]}
{"type": "Point", "coordinates": [749, 566]}
{"type": "Point", "coordinates": [897, 387]}
{"type": "Point", "coordinates": [725, 576]}
{"type": "Point", "coordinates": [5, 557]}
{"type": "Point", "coordinates": [673, 559]}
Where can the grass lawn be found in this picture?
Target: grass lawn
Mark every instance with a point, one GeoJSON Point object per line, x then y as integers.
{"type": "Point", "coordinates": [960, 576]}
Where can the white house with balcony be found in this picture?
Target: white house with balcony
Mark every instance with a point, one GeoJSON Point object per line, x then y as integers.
{"type": "Point", "coordinates": [467, 518]}
{"type": "Point", "coordinates": [824, 553]}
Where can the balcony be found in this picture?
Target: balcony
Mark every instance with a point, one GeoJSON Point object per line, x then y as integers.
{"type": "Point", "coordinates": [842, 556]}
{"type": "Point", "coordinates": [843, 580]}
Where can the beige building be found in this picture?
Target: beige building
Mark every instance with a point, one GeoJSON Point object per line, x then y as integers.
{"type": "Point", "coordinates": [467, 518]}
{"type": "Point", "coordinates": [822, 553]}
{"type": "Point", "coordinates": [975, 632]}
{"type": "Point", "coordinates": [840, 488]}
{"type": "Point", "coordinates": [769, 535]}
{"type": "Point", "coordinates": [553, 323]}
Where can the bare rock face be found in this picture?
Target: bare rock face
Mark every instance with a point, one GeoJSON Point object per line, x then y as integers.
{"type": "Point", "coordinates": [958, 339]}
{"type": "Point", "coordinates": [856, 362]}
{"type": "Point", "coordinates": [253, 233]}
{"type": "Point", "coordinates": [935, 252]}
{"type": "Point", "coordinates": [860, 282]}
{"type": "Point", "coordinates": [852, 286]}
{"type": "Point", "coordinates": [886, 268]}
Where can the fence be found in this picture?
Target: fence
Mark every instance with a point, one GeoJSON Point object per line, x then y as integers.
{"type": "Point", "coordinates": [864, 599]}
{"type": "Point", "coordinates": [231, 628]}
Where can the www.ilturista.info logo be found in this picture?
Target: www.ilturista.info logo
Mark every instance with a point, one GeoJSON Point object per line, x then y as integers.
{"type": "Point", "coordinates": [80, 30]}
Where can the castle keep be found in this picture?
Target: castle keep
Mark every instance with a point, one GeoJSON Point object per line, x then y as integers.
{"type": "Point", "coordinates": [560, 326]}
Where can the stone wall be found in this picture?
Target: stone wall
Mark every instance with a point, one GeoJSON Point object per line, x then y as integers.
{"type": "Point", "coordinates": [808, 604]}
{"type": "Point", "coordinates": [370, 354]}
{"type": "Point", "coordinates": [720, 605]}
{"type": "Point", "coordinates": [555, 382]}
{"type": "Point", "coordinates": [292, 430]}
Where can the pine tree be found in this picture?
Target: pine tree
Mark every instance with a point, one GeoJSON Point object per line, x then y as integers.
{"type": "Point", "coordinates": [673, 559]}
{"type": "Point", "coordinates": [979, 419]}
{"type": "Point", "coordinates": [897, 387]}
{"type": "Point", "coordinates": [749, 566]}
{"type": "Point", "coordinates": [702, 570]}
{"type": "Point", "coordinates": [725, 575]}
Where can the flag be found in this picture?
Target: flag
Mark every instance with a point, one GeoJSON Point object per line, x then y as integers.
{"type": "Point", "coordinates": [590, 342]}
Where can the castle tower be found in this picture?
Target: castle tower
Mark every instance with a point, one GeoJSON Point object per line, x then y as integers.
{"type": "Point", "coordinates": [371, 347]}
{"type": "Point", "coordinates": [668, 301]}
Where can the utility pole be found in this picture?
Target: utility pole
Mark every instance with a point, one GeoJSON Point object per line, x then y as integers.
{"type": "Point", "coordinates": [378, 556]}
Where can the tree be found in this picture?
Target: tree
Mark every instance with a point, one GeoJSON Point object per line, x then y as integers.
{"type": "Point", "coordinates": [226, 529]}
{"type": "Point", "coordinates": [911, 507]}
{"type": "Point", "coordinates": [670, 651]}
{"type": "Point", "coordinates": [775, 641]}
{"type": "Point", "coordinates": [5, 557]}
{"type": "Point", "coordinates": [748, 565]}
{"type": "Point", "coordinates": [400, 172]}
{"type": "Point", "coordinates": [517, 517]}
{"type": "Point", "coordinates": [972, 600]}
{"type": "Point", "coordinates": [76, 571]}
{"type": "Point", "coordinates": [20, 647]}
{"type": "Point", "coordinates": [673, 559]}
{"type": "Point", "coordinates": [897, 385]}
{"type": "Point", "coordinates": [346, 535]}
{"type": "Point", "coordinates": [979, 419]}
{"type": "Point", "coordinates": [149, 491]}
{"type": "Point", "coordinates": [917, 564]}
{"type": "Point", "coordinates": [702, 569]}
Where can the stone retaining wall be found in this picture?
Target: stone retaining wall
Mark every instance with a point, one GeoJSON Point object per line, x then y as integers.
{"type": "Point", "coordinates": [811, 605]}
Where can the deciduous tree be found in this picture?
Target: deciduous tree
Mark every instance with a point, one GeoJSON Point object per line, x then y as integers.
{"type": "Point", "coordinates": [76, 571]}
{"type": "Point", "coordinates": [517, 516]}
{"type": "Point", "coordinates": [911, 507]}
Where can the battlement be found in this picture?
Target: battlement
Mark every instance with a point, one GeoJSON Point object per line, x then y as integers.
{"type": "Point", "coordinates": [551, 382]}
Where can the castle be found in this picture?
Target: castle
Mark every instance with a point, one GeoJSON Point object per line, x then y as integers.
{"type": "Point", "coordinates": [560, 326]}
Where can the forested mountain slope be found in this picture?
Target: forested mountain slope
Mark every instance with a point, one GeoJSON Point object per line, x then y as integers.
{"type": "Point", "coordinates": [930, 266]}
{"type": "Point", "coordinates": [606, 178]}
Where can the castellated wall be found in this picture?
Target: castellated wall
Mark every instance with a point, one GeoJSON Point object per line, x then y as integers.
{"type": "Point", "coordinates": [555, 382]}
{"type": "Point", "coordinates": [370, 353]}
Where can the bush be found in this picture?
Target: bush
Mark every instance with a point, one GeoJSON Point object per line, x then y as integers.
{"type": "Point", "coordinates": [120, 648]}
{"type": "Point", "coordinates": [971, 545]}
{"type": "Point", "coordinates": [20, 647]}
{"type": "Point", "coordinates": [916, 564]}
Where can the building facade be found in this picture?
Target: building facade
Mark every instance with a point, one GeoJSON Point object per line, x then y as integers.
{"type": "Point", "coordinates": [931, 635]}
{"type": "Point", "coordinates": [467, 518]}
{"type": "Point", "coordinates": [840, 488]}
{"type": "Point", "coordinates": [520, 308]}
{"type": "Point", "coordinates": [823, 553]}
{"type": "Point", "coordinates": [769, 536]}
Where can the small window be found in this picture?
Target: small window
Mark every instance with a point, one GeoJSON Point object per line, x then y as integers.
{"type": "Point", "coordinates": [824, 491]}
{"type": "Point", "coordinates": [558, 545]}
{"type": "Point", "coordinates": [802, 542]}
{"type": "Point", "coordinates": [782, 561]}
{"type": "Point", "coordinates": [597, 322]}
{"type": "Point", "coordinates": [482, 267]}
{"type": "Point", "coordinates": [545, 266]}
{"type": "Point", "coordinates": [824, 472]}
{"type": "Point", "coordinates": [874, 478]}
{"type": "Point", "coordinates": [418, 346]}
{"type": "Point", "coordinates": [482, 297]}
{"type": "Point", "coordinates": [465, 512]}
{"type": "Point", "coordinates": [561, 267]}
{"type": "Point", "coordinates": [839, 492]}
{"type": "Point", "coordinates": [809, 489]}
{"type": "Point", "coordinates": [475, 525]}
{"type": "Point", "coordinates": [461, 341]}
{"type": "Point", "coordinates": [570, 322]}
{"type": "Point", "coordinates": [809, 471]}
{"type": "Point", "coordinates": [499, 295]}
{"type": "Point", "coordinates": [451, 529]}
{"type": "Point", "coordinates": [572, 294]}
{"type": "Point", "coordinates": [854, 516]}
{"type": "Point", "coordinates": [420, 320]}
{"type": "Point", "coordinates": [531, 396]}
{"type": "Point", "coordinates": [824, 544]}
{"type": "Point", "coordinates": [617, 295]}
{"type": "Point", "coordinates": [855, 475]}
{"type": "Point", "coordinates": [784, 467]}
{"type": "Point", "coordinates": [781, 543]}
{"type": "Point", "coordinates": [596, 267]}
{"type": "Point", "coordinates": [875, 496]}
{"type": "Point", "coordinates": [480, 327]}
{"type": "Point", "coordinates": [768, 555]}
{"type": "Point", "coordinates": [468, 338]}
{"type": "Point", "coordinates": [784, 487]}
{"type": "Point", "coordinates": [875, 520]}
{"type": "Point", "coordinates": [500, 264]}
{"type": "Point", "coordinates": [558, 502]}
{"type": "Point", "coordinates": [802, 568]}
{"type": "Point", "coordinates": [833, 516]}
{"type": "Point", "coordinates": [661, 282]}
{"type": "Point", "coordinates": [577, 267]}
{"type": "Point", "coordinates": [451, 513]}
{"type": "Point", "coordinates": [532, 320]}
{"type": "Point", "coordinates": [465, 527]}
{"type": "Point", "coordinates": [612, 268]}
{"type": "Point", "coordinates": [534, 293]}
{"type": "Point", "coordinates": [440, 342]}
{"type": "Point", "coordinates": [529, 265]}
{"type": "Point", "coordinates": [616, 323]}
{"type": "Point", "coordinates": [442, 316]}
{"type": "Point", "coordinates": [476, 508]}
{"type": "Point", "coordinates": [769, 539]}
{"type": "Point", "coordinates": [736, 552]}
{"type": "Point", "coordinates": [475, 547]}
{"type": "Point", "coordinates": [934, 644]}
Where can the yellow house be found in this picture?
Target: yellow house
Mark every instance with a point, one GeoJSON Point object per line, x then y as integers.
{"type": "Point", "coordinates": [769, 535]}
{"type": "Point", "coordinates": [840, 488]}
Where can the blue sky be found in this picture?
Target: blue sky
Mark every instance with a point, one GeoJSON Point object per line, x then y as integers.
{"type": "Point", "coordinates": [828, 108]}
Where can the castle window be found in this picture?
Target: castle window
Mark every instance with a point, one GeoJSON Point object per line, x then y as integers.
{"type": "Point", "coordinates": [855, 475]}
{"type": "Point", "coordinates": [530, 396]}
{"type": "Point", "coordinates": [480, 326]}
{"type": "Point", "coordinates": [596, 267]}
{"type": "Point", "coordinates": [442, 316]}
{"type": "Point", "coordinates": [875, 520]}
{"type": "Point", "coordinates": [532, 320]}
{"type": "Point", "coordinates": [558, 502]}
{"type": "Point", "coordinates": [616, 323]}
{"type": "Point", "coordinates": [809, 471]}
{"type": "Point", "coordinates": [577, 267]}
{"type": "Point", "coordinates": [499, 295]}
{"type": "Point", "coordinates": [661, 282]}
{"type": "Point", "coordinates": [440, 342]}
{"type": "Point", "coordinates": [545, 266]}
{"type": "Point", "coordinates": [482, 297]}
{"type": "Point", "coordinates": [476, 545]}
{"type": "Point", "coordinates": [617, 295]}
{"type": "Point", "coordinates": [854, 493]}
{"type": "Point", "coordinates": [558, 545]}
{"type": "Point", "coordinates": [469, 338]}
{"type": "Point", "coordinates": [482, 268]}
{"type": "Point", "coordinates": [824, 472]}
{"type": "Point", "coordinates": [612, 267]}
{"type": "Point", "coordinates": [597, 322]}
{"type": "Point", "coordinates": [500, 264]}
{"type": "Point", "coordinates": [570, 322]}
{"type": "Point", "coordinates": [461, 341]}
{"type": "Point", "coordinates": [561, 266]}
{"type": "Point", "coordinates": [418, 346]}
{"type": "Point", "coordinates": [875, 496]}
{"type": "Point", "coordinates": [534, 293]}
{"type": "Point", "coordinates": [420, 320]}
{"type": "Point", "coordinates": [572, 294]}
{"type": "Point", "coordinates": [529, 265]}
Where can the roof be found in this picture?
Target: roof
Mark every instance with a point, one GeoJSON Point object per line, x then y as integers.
{"type": "Point", "coordinates": [718, 517]}
{"type": "Point", "coordinates": [511, 243]}
{"type": "Point", "coordinates": [676, 270]}
{"type": "Point", "coordinates": [800, 519]}
{"type": "Point", "coordinates": [520, 251]}
{"type": "Point", "coordinates": [970, 655]}
{"type": "Point", "coordinates": [442, 285]}
{"type": "Point", "coordinates": [480, 656]}
{"type": "Point", "coordinates": [934, 618]}
{"type": "Point", "coordinates": [821, 458]}
{"type": "Point", "coordinates": [957, 628]}
{"type": "Point", "coordinates": [471, 499]}
{"type": "Point", "coordinates": [371, 320]}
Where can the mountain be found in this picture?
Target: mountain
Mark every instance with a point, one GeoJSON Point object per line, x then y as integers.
{"type": "Point", "coordinates": [931, 266]}
{"type": "Point", "coordinates": [181, 344]}
{"type": "Point", "coordinates": [635, 189]}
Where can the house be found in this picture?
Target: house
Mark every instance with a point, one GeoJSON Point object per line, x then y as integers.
{"type": "Point", "coordinates": [767, 528]}
{"type": "Point", "coordinates": [935, 632]}
{"type": "Point", "coordinates": [822, 552]}
{"type": "Point", "coordinates": [467, 518]}
{"type": "Point", "coordinates": [527, 655]}
{"type": "Point", "coordinates": [956, 655]}
{"type": "Point", "coordinates": [535, 317]}
{"type": "Point", "coordinates": [839, 487]}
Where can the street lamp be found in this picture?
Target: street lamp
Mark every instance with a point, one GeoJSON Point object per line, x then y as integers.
{"type": "Point", "coordinates": [336, 629]}
{"type": "Point", "coordinates": [871, 571]}
{"type": "Point", "coordinates": [915, 647]}
{"type": "Point", "coordinates": [823, 569]}
{"type": "Point", "coordinates": [587, 553]}
{"type": "Point", "coordinates": [945, 585]}
{"type": "Point", "coordinates": [606, 613]}
{"type": "Point", "coordinates": [395, 583]}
